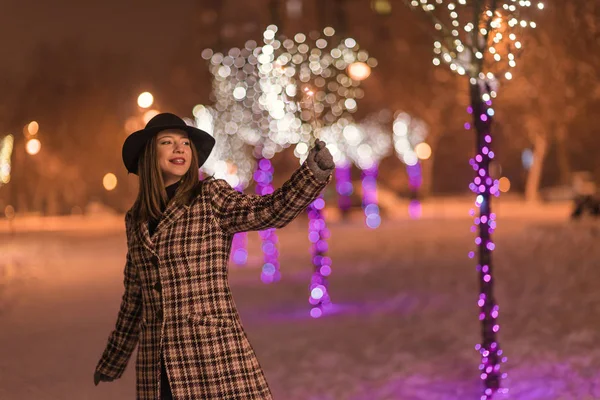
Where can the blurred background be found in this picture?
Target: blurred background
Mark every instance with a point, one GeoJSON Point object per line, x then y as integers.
{"type": "Point", "coordinates": [379, 298]}
{"type": "Point", "coordinates": [77, 70]}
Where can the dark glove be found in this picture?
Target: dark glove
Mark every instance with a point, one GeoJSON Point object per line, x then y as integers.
{"type": "Point", "coordinates": [320, 161]}
{"type": "Point", "coordinates": [100, 377]}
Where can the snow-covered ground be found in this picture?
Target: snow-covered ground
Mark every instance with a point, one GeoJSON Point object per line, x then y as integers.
{"type": "Point", "coordinates": [405, 321]}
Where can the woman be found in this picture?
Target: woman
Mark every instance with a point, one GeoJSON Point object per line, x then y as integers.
{"type": "Point", "coordinates": [177, 305]}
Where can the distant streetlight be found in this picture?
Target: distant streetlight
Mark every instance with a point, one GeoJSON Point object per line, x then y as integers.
{"type": "Point", "coordinates": [109, 181]}
{"type": "Point", "coordinates": [145, 100]}
{"type": "Point", "coordinates": [33, 146]}
{"type": "Point", "coordinates": [32, 128]}
{"type": "Point", "coordinates": [423, 151]}
{"type": "Point", "coordinates": [382, 7]}
{"type": "Point", "coordinates": [359, 71]}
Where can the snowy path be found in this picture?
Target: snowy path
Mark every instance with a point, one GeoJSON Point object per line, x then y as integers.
{"type": "Point", "coordinates": [405, 322]}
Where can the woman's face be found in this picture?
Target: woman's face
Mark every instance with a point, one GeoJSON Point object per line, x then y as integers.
{"type": "Point", "coordinates": [174, 155]}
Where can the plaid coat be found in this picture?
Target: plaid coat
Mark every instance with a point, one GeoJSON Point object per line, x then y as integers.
{"type": "Point", "coordinates": [177, 297]}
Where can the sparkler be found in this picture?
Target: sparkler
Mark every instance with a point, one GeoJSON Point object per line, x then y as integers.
{"type": "Point", "coordinates": [313, 136]}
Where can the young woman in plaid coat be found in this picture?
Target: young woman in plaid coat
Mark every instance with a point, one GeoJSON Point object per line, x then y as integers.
{"type": "Point", "coordinates": [177, 306]}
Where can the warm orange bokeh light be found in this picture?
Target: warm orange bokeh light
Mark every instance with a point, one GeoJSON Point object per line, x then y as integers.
{"type": "Point", "coordinates": [504, 184]}
{"type": "Point", "coordinates": [109, 181]}
{"type": "Point", "coordinates": [359, 71]}
{"type": "Point", "coordinates": [423, 151]}
{"type": "Point", "coordinates": [32, 128]}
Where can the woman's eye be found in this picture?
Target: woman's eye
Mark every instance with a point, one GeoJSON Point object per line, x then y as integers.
{"type": "Point", "coordinates": [165, 142]}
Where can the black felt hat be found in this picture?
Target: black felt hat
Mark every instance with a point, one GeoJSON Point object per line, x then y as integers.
{"type": "Point", "coordinates": [135, 143]}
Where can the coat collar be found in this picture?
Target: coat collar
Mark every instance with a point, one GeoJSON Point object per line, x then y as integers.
{"type": "Point", "coordinates": [171, 214]}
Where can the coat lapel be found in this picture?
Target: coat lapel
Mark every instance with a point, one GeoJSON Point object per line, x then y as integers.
{"type": "Point", "coordinates": [144, 235]}
{"type": "Point", "coordinates": [171, 214]}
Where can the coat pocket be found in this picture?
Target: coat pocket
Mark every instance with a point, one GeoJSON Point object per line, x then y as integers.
{"type": "Point", "coordinates": [205, 320]}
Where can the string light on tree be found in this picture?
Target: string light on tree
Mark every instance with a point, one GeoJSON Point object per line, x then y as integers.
{"type": "Point", "coordinates": [480, 39]}
{"type": "Point", "coordinates": [317, 235]}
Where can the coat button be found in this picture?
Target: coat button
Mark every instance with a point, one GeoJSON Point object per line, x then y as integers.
{"type": "Point", "coordinates": [154, 260]}
{"type": "Point", "coordinates": [157, 286]}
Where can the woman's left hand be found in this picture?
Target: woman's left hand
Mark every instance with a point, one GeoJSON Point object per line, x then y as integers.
{"type": "Point", "coordinates": [320, 161]}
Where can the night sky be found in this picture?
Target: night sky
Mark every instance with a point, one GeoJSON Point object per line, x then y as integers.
{"type": "Point", "coordinates": [148, 29]}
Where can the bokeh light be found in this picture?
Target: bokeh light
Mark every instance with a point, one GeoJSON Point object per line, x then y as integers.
{"type": "Point", "coordinates": [359, 71]}
{"type": "Point", "coordinates": [423, 151]}
{"type": "Point", "coordinates": [504, 184]}
{"type": "Point", "coordinates": [145, 100]}
{"type": "Point", "coordinates": [33, 146]}
{"type": "Point", "coordinates": [32, 128]}
{"type": "Point", "coordinates": [109, 181]}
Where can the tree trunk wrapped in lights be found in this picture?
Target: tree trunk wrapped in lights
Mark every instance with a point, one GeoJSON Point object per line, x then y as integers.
{"type": "Point", "coordinates": [479, 39]}
{"type": "Point", "coordinates": [264, 185]}
{"type": "Point", "coordinates": [370, 141]}
{"type": "Point", "coordinates": [318, 235]}
{"type": "Point", "coordinates": [343, 186]}
{"type": "Point", "coordinates": [410, 146]}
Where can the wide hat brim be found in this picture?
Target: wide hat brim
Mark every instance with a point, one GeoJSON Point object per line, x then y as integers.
{"type": "Point", "coordinates": [136, 142]}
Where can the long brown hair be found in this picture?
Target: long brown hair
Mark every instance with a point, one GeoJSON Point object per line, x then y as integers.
{"type": "Point", "coordinates": [152, 195]}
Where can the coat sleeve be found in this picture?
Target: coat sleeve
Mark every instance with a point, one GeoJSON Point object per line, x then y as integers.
{"type": "Point", "coordinates": [124, 337]}
{"type": "Point", "coordinates": [239, 212]}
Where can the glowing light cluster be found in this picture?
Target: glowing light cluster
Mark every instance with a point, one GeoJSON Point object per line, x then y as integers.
{"type": "Point", "coordinates": [318, 235]}
{"type": "Point", "coordinates": [331, 73]}
{"type": "Point", "coordinates": [251, 101]}
{"type": "Point", "coordinates": [372, 140]}
{"type": "Point", "coordinates": [231, 158]}
{"type": "Point", "coordinates": [498, 32]}
{"type": "Point", "coordinates": [6, 148]}
{"type": "Point", "coordinates": [258, 92]}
